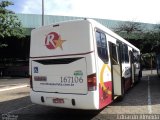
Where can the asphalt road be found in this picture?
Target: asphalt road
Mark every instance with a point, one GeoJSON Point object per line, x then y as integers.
{"type": "Point", "coordinates": [13, 81]}
{"type": "Point", "coordinates": [142, 99]}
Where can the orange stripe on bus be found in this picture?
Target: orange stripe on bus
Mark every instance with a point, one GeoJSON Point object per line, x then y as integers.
{"type": "Point", "coordinates": [101, 78]}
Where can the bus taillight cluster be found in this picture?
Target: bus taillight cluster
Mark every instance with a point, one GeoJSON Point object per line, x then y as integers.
{"type": "Point", "coordinates": [92, 82]}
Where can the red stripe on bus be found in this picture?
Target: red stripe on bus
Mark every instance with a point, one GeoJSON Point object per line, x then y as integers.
{"type": "Point", "coordinates": [105, 97]}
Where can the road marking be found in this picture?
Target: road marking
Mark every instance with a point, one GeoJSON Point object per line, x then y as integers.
{"type": "Point", "coordinates": [7, 85]}
{"type": "Point", "coordinates": [12, 88]}
{"type": "Point", "coordinates": [149, 98]}
{"type": "Point", "coordinates": [21, 108]}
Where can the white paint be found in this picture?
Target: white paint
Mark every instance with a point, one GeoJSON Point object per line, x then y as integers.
{"type": "Point", "coordinates": [12, 88]}
{"type": "Point", "coordinates": [20, 108]}
{"type": "Point", "coordinates": [149, 98]}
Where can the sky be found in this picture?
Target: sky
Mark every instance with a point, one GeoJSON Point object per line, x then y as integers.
{"type": "Point", "coordinates": [146, 11]}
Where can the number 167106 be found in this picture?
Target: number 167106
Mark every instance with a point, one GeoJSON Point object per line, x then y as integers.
{"type": "Point", "coordinates": [71, 79]}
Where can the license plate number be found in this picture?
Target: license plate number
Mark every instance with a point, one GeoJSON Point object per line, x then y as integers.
{"type": "Point", "coordinates": [58, 100]}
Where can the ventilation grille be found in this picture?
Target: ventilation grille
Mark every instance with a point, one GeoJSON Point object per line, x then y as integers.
{"type": "Point", "coordinates": [57, 61]}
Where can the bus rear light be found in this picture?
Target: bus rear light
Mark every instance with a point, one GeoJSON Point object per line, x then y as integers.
{"type": "Point", "coordinates": [31, 83]}
{"type": "Point", "coordinates": [92, 82]}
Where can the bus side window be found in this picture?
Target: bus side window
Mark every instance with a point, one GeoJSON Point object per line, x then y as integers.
{"type": "Point", "coordinates": [136, 57]}
{"type": "Point", "coordinates": [121, 53]}
{"type": "Point", "coordinates": [126, 56]}
{"type": "Point", "coordinates": [114, 55]}
{"type": "Point", "coordinates": [102, 46]}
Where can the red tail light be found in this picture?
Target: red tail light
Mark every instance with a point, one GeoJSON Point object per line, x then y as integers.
{"type": "Point", "coordinates": [92, 82]}
{"type": "Point", "coordinates": [31, 84]}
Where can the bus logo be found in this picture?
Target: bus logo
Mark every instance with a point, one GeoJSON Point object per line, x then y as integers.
{"type": "Point", "coordinates": [53, 40]}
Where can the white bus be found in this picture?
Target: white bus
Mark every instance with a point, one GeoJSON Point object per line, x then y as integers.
{"type": "Point", "coordinates": [80, 64]}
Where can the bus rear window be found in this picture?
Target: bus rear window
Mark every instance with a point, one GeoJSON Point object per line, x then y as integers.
{"type": "Point", "coordinates": [102, 46]}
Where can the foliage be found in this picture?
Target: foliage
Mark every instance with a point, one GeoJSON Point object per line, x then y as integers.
{"type": "Point", "coordinates": [147, 41]}
{"type": "Point", "coordinates": [152, 40]}
{"type": "Point", "coordinates": [129, 27]}
{"type": "Point", "coordinates": [9, 23]}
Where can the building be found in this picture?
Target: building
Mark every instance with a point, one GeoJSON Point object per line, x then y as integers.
{"type": "Point", "coordinates": [31, 21]}
{"type": "Point", "coordinates": [18, 49]}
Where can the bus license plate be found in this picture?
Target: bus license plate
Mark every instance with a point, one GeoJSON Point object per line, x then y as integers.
{"type": "Point", "coordinates": [58, 100]}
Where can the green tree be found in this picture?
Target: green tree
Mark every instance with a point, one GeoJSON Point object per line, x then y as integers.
{"type": "Point", "coordinates": [151, 41]}
{"type": "Point", "coordinates": [129, 27]}
{"type": "Point", "coordinates": [131, 31]}
{"type": "Point", "coordinates": [9, 23]}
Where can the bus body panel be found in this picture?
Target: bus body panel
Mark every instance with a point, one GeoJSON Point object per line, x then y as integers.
{"type": "Point", "coordinates": [61, 40]}
{"type": "Point", "coordinates": [125, 66]}
{"type": "Point", "coordinates": [105, 95]}
{"type": "Point", "coordinates": [88, 101]}
{"type": "Point", "coordinates": [60, 78]}
{"type": "Point", "coordinates": [103, 74]}
{"type": "Point", "coordinates": [61, 74]}
{"type": "Point", "coordinates": [105, 83]}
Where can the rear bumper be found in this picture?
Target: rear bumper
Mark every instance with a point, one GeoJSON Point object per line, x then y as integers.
{"type": "Point", "coordinates": [89, 101]}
